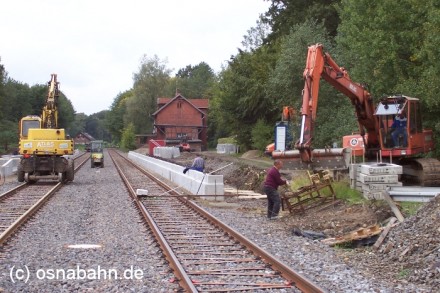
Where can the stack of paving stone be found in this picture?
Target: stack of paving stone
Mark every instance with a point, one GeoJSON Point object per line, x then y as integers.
{"type": "Point", "coordinates": [166, 152]}
{"type": "Point", "coordinates": [373, 179]}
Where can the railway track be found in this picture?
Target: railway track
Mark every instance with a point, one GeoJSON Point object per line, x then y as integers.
{"type": "Point", "coordinates": [20, 203]}
{"type": "Point", "coordinates": [205, 254]}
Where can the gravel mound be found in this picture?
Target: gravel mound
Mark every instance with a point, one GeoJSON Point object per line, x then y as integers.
{"type": "Point", "coordinates": [415, 245]}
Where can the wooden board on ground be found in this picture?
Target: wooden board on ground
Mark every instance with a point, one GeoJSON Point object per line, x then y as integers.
{"type": "Point", "coordinates": [359, 234]}
{"type": "Point", "coordinates": [244, 193]}
{"type": "Point", "coordinates": [384, 233]}
{"type": "Point", "coordinates": [393, 206]}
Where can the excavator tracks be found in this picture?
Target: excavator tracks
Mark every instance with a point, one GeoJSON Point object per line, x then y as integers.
{"type": "Point", "coordinates": [422, 171]}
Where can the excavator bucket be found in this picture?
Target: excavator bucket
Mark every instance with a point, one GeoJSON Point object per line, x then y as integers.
{"type": "Point", "coordinates": [331, 158]}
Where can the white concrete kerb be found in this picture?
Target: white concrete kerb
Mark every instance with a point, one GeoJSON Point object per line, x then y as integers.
{"type": "Point", "coordinates": [191, 181]}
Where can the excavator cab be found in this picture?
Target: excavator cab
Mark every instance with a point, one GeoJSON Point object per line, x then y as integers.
{"type": "Point", "coordinates": [400, 123]}
{"type": "Point", "coordinates": [97, 154]}
{"type": "Point", "coordinates": [391, 113]}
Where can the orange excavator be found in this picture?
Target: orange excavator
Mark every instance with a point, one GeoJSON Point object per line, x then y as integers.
{"type": "Point", "coordinates": [376, 140]}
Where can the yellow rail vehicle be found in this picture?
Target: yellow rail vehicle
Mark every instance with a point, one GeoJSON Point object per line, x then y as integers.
{"type": "Point", "coordinates": [44, 148]}
{"type": "Point", "coordinates": [97, 154]}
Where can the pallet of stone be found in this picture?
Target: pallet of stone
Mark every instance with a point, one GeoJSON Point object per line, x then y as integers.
{"type": "Point", "coordinates": [381, 169]}
{"type": "Point", "coordinates": [373, 195]}
{"type": "Point", "coordinates": [392, 178]}
{"type": "Point", "coordinates": [371, 187]}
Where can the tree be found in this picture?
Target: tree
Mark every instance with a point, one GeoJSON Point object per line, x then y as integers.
{"type": "Point", "coordinates": [255, 36]}
{"type": "Point", "coordinates": [195, 81]}
{"type": "Point", "coordinates": [241, 100]}
{"type": "Point", "coordinates": [128, 140]}
{"type": "Point", "coordinates": [17, 101]}
{"type": "Point", "coordinates": [114, 119]}
{"type": "Point", "coordinates": [2, 85]}
{"type": "Point", "coordinates": [96, 126]}
{"type": "Point", "coordinates": [149, 84]}
{"type": "Point", "coordinates": [262, 135]}
{"type": "Point", "coordinates": [78, 125]}
{"type": "Point", "coordinates": [393, 46]}
{"type": "Point", "coordinates": [8, 135]}
{"type": "Point", "coordinates": [284, 14]}
{"type": "Point", "coordinates": [287, 82]}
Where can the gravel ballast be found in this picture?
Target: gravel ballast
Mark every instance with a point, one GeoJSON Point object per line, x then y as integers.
{"type": "Point", "coordinates": [315, 260]}
{"type": "Point", "coordinates": [95, 209]}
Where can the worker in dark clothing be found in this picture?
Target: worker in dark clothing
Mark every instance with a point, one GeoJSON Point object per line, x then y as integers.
{"type": "Point", "coordinates": [399, 129]}
{"type": "Point", "coordinates": [198, 165]}
{"type": "Point", "coordinates": [271, 183]}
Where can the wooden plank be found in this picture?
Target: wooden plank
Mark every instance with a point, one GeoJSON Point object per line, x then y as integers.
{"type": "Point", "coordinates": [393, 206]}
{"type": "Point", "coordinates": [252, 196]}
{"type": "Point", "coordinates": [384, 233]}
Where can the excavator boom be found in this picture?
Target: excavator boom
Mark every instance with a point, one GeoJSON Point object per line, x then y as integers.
{"type": "Point", "coordinates": [50, 109]}
{"type": "Point", "coordinates": [320, 64]}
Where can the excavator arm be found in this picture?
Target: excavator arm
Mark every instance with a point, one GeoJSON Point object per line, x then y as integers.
{"type": "Point", "coordinates": [320, 64]}
{"type": "Point", "coordinates": [50, 110]}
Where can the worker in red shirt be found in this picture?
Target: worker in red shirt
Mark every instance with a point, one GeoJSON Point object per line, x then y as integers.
{"type": "Point", "coordinates": [271, 183]}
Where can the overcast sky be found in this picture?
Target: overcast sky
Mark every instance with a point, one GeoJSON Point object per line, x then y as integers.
{"type": "Point", "coordinates": [95, 46]}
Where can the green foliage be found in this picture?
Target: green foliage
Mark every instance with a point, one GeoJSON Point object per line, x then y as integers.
{"type": "Point", "coordinates": [403, 273]}
{"type": "Point", "coordinates": [128, 139]}
{"type": "Point", "coordinates": [343, 191]}
{"type": "Point", "coordinates": [95, 125]}
{"type": "Point", "coordinates": [393, 46]}
{"type": "Point", "coordinates": [79, 124]}
{"type": "Point", "coordinates": [114, 120]}
{"type": "Point", "coordinates": [286, 85]}
{"type": "Point", "coordinates": [18, 100]}
{"type": "Point", "coordinates": [8, 135]}
{"type": "Point", "coordinates": [242, 99]}
{"type": "Point", "coordinates": [284, 14]}
{"type": "Point", "coordinates": [149, 84]}
{"type": "Point", "coordinates": [262, 135]}
{"type": "Point", "coordinates": [341, 188]}
{"type": "Point", "coordinates": [286, 81]}
{"type": "Point", "coordinates": [225, 140]}
{"type": "Point", "coordinates": [195, 81]}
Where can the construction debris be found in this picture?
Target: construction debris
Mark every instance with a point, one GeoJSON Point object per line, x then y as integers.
{"type": "Point", "coordinates": [360, 234]}
{"type": "Point", "coordinates": [309, 196]}
{"type": "Point", "coordinates": [384, 233]}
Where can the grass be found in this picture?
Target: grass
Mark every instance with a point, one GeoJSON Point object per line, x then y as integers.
{"type": "Point", "coordinates": [403, 274]}
{"type": "Point", "coordinates": [410, 208]}
{"type": "Point", "coordinates": [341, 188]}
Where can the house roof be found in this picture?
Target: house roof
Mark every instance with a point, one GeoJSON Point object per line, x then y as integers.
{"type": "Point", "coordinates": [86, 135]}
{"type": "Point", "coordinates": [196, 103]}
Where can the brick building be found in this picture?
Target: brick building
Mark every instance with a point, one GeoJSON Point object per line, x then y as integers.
{"type": "Point", "coordinates": [182, 120]}
{"type": "Point", "coordinates": [83, 138]}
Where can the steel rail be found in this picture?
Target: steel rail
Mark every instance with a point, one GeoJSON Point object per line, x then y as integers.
{"type": "Point", "coordinates": [4, 236]}
{"type": "Point", "coordinates": [300, 281]}
{"type": "Point", "coordinates": [294, 278]}
{"type": "Point", "coordinates": [183, 278]}
{"type": "Point", "coordinates": [24, 217]}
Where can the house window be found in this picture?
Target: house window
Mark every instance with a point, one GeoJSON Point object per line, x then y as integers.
{"type": "Point", "coordinates": [179, 104]}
